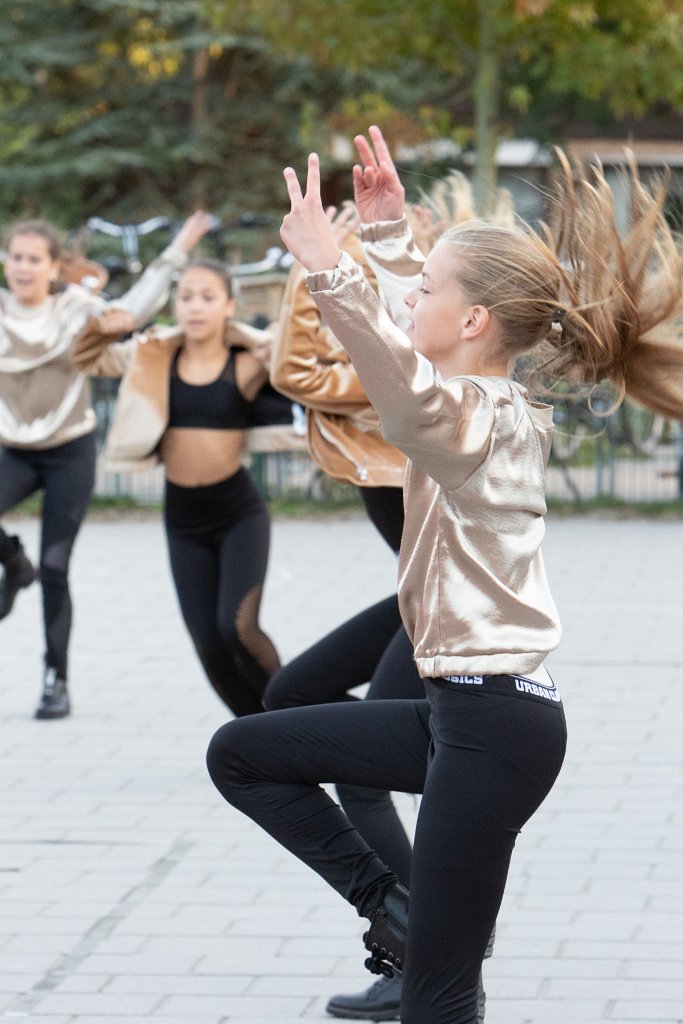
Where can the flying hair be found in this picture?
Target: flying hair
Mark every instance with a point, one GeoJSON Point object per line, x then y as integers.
{"type": "Point", "coordinates": [581, 301]}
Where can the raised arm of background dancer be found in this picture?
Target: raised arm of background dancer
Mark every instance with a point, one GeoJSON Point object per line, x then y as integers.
{"type": "Point", "coordinates": [443, 428]}
{"type": "Point", "coordinates": [150, 292]}
{"type": "Point", "coordinates": [308, 364]}
{"type": "Point", "coordinates": [380, 198]}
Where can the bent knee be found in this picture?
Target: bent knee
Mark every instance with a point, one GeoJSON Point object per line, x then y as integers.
{"type": "Point", "coordinates": [280, 692]}
{"type": "Point", "coordinates": [227, 757]}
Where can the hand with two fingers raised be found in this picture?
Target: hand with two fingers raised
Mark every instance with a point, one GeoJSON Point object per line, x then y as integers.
{"type": "Point", "coordinates": [306, 230]}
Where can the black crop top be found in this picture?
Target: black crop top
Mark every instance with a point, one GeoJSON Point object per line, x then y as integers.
{"type": "Point", "coordinates": [214, 406]}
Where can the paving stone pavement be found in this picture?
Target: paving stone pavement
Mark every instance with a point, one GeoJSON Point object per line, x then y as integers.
{"type": "Point", "coordinates": [129, 891]}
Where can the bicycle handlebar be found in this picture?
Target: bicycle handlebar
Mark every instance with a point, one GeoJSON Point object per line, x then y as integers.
{"type": "Point", "coordinates": [275, 259]}
{"type": "Point", "coordinates": [119, 230]}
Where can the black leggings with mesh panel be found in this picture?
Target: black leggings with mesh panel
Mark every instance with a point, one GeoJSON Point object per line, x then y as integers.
{"type": "Point", "coordinates": [66, 476]}
{"type": "Point", "coordinates": [218, 542]}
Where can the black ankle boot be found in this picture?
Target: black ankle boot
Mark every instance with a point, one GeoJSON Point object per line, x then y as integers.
{"type": "Point", "coordinates": [385, 940]}
{"type": "Point", "coordinates": [382, 1001]}
{"type": "Point", "coordinates": [54, 702]}
{"type": "Point", "coordinates": [19, 573]}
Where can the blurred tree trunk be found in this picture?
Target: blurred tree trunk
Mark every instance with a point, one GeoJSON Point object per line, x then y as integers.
{"type": "Point", "coordinates": [200, 124]}
{"type": "Point", "coordinates": [486, 106]}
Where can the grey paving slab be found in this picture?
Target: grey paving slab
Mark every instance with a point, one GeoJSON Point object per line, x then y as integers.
{"type": "Point", "coordinates": [129, 892]}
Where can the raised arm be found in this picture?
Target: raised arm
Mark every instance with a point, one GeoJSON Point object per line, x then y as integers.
{"type": "Point", "coordinates": [309, 365]}
{"type": "Point", "coordinates": [443, 428]}
{"type": "Point", "coordinates": [150, 292]}
{"type": "Point", "coordinates": [387, 240]}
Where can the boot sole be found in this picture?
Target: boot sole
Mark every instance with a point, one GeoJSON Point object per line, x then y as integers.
{"type": "Point", "coordinates": [374, 1015]}
{"type": "Point", "coordinates": [44, 715]}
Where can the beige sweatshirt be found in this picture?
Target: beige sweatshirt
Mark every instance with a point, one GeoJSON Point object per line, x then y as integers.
{"type": "Point", "coordinates": [472, 584]}
{"type": "Point", "coordinates": [44, 399]}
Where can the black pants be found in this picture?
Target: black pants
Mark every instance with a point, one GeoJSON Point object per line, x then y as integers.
{"type": "Point", "coordinates": [373, 646]}
{"type": "Point", "coordinates": [66, 475]}
{"type": "Point", "coordinates": [384, 506]}
{"type": "Point", "coordinates": [484, 755]}
{"type": "Point", "coordinates": [218, 543]}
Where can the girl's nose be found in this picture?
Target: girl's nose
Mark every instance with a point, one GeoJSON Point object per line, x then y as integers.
{"type": "Point", "coordinates": [410, 298]}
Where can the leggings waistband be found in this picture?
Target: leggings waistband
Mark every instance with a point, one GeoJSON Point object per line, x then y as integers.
{"type": "Point", "coordinates": [212, 506]}
{"type": "Point", "coordinates": [504, 685]}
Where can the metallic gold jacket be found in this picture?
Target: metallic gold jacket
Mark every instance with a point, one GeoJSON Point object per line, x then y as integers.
{"type": "Point", "coordinates": [44, 397]}
{"type": "Point", "coordinates": [310, 366]}
{"type": "Point", "coordinates": [472, 584]}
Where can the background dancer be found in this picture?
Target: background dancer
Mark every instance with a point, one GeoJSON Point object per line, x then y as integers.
{"type": "Point", "coordinates": [488, 742]}
{"type": "Point", "coordinates": [185, 400]}
{"type": "Point", "coordinates": [47, 422]}
{"type": "Point", "coordinates": [310, 366]}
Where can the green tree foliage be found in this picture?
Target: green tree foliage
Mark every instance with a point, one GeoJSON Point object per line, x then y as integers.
{"type": "Point", "coordinates": [503, 60]}
{"type": "Point", "coordinates": [128, 108]}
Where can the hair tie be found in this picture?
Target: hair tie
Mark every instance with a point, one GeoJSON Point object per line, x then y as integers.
{"type": "Point", "coordinates": [558, 316]}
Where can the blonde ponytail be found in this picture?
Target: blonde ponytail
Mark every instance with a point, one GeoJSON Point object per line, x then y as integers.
{"type": "Point", "coordinates": [622, 290]}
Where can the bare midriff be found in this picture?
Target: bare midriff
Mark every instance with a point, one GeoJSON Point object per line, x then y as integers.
{"type": "Point", "coordinates": [197, 457]}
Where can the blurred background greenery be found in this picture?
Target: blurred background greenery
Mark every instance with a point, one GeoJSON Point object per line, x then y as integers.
{"type": "Point", "coordinates": [133, 109]}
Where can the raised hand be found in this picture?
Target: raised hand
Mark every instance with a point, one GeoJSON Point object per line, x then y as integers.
{"type": "Point", "coordinates": [194, 229]}
{"type": "Point", "coordinates": [344, 222]}
{"type": "Point", "coordinates": [306, 229]}
{"type": "Point", "coordinates": [377, 187]}
{"type": "Point", "coordinates": [426, 230]}
{"type": "Point", "coordinates": [113, 322]}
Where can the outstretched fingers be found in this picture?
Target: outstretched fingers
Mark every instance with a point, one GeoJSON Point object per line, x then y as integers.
{"type": "Point", "coordinates": [293, 187]}
{"type": "Point", "coordinates": [374, 153]}
{"type": "Point", "coordinates": [365, 151]}
{"type": "Point", "coordinates": [382, 152]}
{"type": "Point", "coordinates": [296, 196]}
{"type": "Point", "coordinates": [313, 178]}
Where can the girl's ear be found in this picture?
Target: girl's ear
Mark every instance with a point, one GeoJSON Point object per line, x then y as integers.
{"type": "Point", "coordinates": [476, 321]}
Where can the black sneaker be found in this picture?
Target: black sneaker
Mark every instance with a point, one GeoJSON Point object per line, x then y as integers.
{"type": "Point", "coordinates": [19, 573]}
{"type": "Point", "coordinates": [54, 702]}
{"type": "Point", "coordinates": [382, 1001]}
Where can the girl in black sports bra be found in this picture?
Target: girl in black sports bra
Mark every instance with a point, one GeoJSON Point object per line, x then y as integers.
{"type": "Point", "coordinates": [217, 525]}
{"type": "Point", "coordinates": [186, 399]}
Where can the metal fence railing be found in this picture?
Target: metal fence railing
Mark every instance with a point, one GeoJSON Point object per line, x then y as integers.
{"type": "Point", "coordinates": [601, 468]}
{"type": "Point", "coordinates": [630, 455]}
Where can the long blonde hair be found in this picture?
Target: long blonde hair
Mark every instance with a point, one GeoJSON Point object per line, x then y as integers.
{"type": "Point", "coordinates": [580, 300]}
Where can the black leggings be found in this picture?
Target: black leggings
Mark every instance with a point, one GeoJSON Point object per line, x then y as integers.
{"type": "Point", "coordinates": [374, 646]}
{"type": "Point", "coordinates": [483, 753]}
{"type": "Point", "coordinates": [66, 474]}
{"type": "Point", "coordinates": [218, 541]}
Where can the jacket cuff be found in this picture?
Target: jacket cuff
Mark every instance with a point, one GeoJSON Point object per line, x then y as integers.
{"type": "Point", "coordinates": [328, 280]}
{"type": "Point", "coordinates": [381, 230]}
